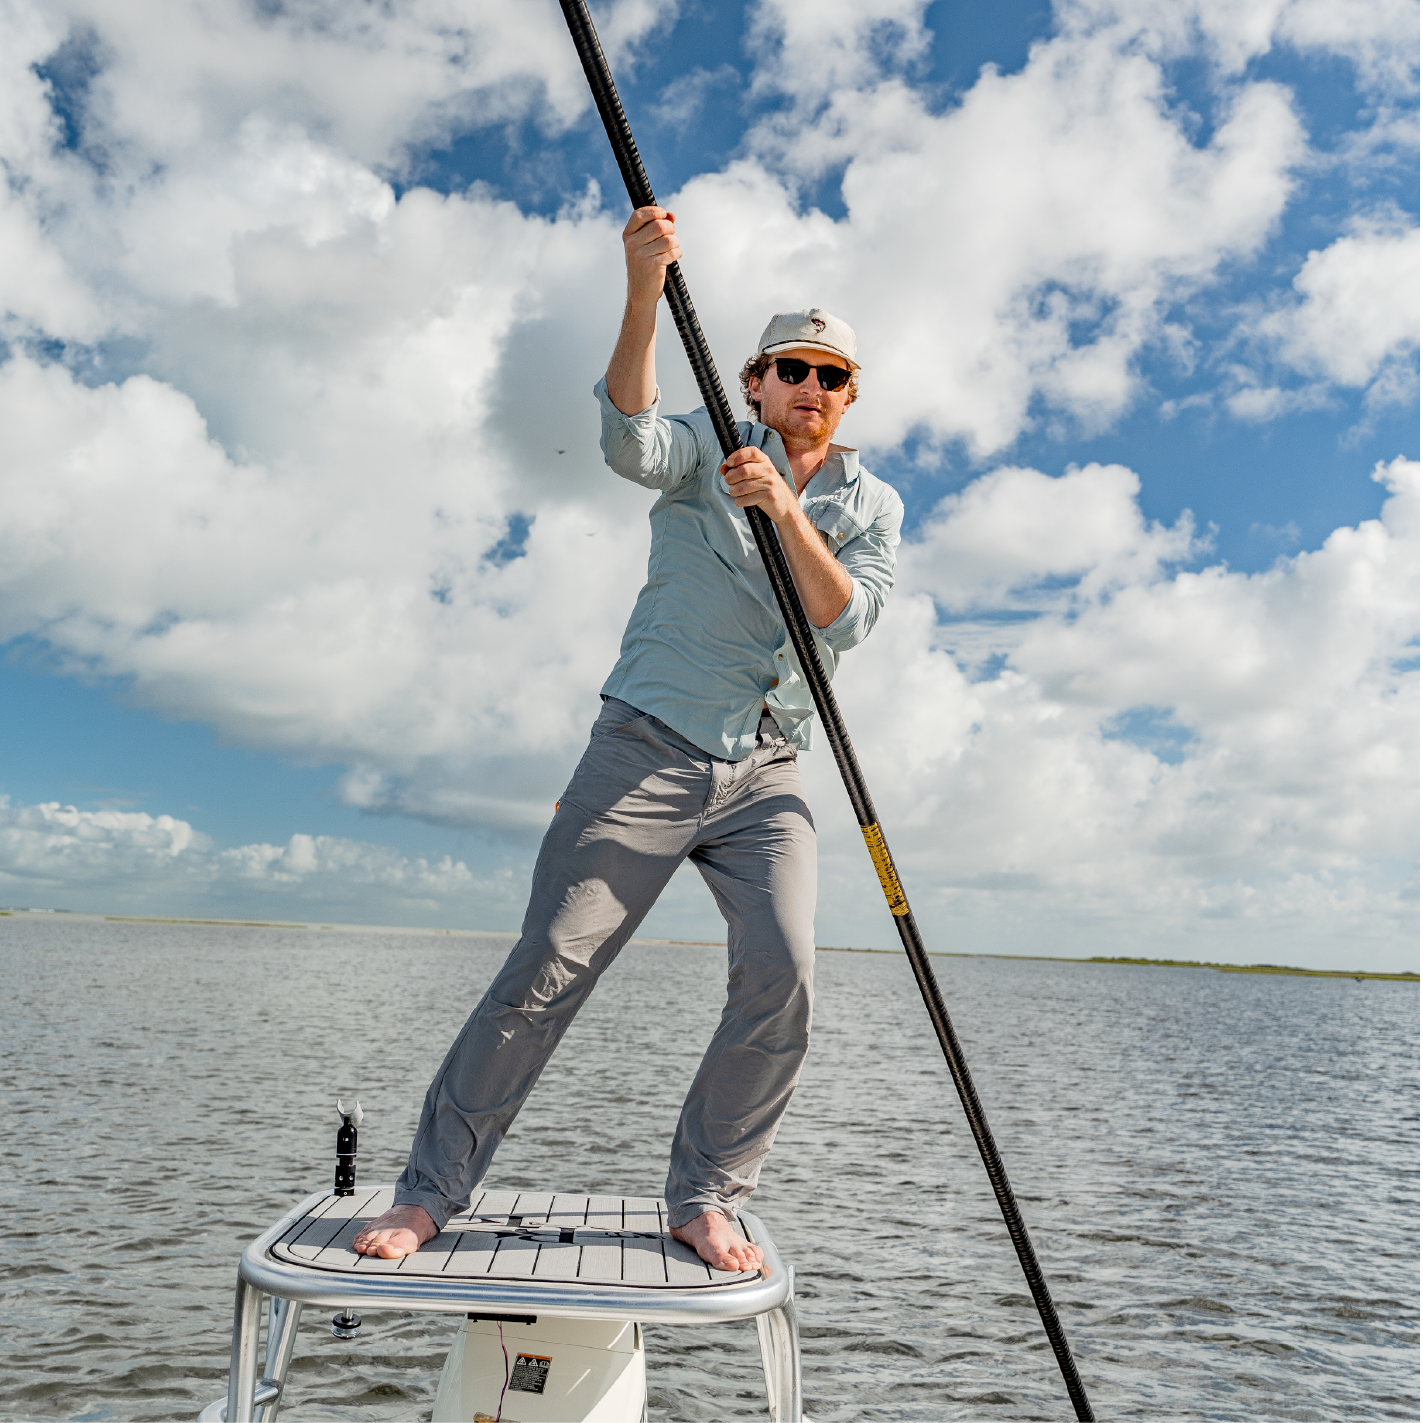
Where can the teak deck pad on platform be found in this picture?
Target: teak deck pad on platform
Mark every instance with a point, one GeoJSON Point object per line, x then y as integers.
{"type": "Point", "coordinates": [511, 1235]}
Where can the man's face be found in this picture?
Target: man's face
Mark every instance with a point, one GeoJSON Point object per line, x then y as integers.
{"type": "Point", "coordinates": [805, 415]}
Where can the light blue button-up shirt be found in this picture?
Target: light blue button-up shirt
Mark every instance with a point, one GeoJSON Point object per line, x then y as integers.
{"type": "Point", "coordinates": [705, 646]}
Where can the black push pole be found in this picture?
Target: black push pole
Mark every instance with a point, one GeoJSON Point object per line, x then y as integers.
{"type": "Point", "coordinates": [610, 108]}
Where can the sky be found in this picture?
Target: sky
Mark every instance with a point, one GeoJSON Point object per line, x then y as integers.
{"type": "Point", "coordinates": [310, 568]}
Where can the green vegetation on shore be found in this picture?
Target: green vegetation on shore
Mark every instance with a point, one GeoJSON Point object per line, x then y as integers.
{"type": "Point", "coordinates": [1155, 963]}
{"type": "Point", "coordinates": [1258, 968]}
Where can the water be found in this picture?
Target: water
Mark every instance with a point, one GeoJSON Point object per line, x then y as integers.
{"type": "Point", "coordinates": [1220, 1173]}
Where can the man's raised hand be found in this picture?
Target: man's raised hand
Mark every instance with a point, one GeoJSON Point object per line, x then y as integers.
{"type": "Point", "coordinates": [650, 246]}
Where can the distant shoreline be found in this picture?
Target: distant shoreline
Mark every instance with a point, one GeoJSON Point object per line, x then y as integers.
{"type": "Point", "coordinates": [1282, 969]}
{"type": "Point", "coordinates": [1267, 968]}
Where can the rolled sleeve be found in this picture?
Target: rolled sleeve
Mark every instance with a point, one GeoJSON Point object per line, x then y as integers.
{"type": "Point", "coordinates": [645, 448]}
{"type": "Point", "coordinates": [853, 621]}
{"type": "Point", "coordinates": [869, 560]}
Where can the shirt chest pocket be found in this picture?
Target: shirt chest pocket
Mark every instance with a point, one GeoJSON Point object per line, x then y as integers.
{"type": "Point", "coordinates": [837, 523]}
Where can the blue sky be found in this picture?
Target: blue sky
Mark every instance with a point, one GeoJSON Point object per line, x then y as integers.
{"type": "Point", "coordinates": [278, 364]}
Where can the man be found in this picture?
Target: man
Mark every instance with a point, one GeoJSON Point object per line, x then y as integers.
{"type": "Point", "coordinates": [692, 757]}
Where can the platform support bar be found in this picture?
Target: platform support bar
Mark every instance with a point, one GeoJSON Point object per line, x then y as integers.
{"type": "Point", "coordinates": [242, 1375]}
{"type": "Point", "coordinates": [778, 1333]}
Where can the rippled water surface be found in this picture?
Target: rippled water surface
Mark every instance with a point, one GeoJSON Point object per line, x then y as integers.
{"type": "Point", "coordinates": [1220, 1173]}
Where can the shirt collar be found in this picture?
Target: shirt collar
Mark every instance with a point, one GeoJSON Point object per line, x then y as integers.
{"type": "Point", "coordinates": [840, 467]}
{"type": "Point", "coordinates": [849, 465]}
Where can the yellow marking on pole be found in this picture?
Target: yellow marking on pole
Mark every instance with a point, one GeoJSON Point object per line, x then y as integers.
{"type": "Point", "coordinates": [884, 868]}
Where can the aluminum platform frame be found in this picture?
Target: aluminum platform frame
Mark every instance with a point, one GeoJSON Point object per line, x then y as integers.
{"type": "Point", "coordinates": [253, 1395]}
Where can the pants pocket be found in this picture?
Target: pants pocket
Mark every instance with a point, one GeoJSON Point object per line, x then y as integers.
{"type": "Point", "coordinates": [614, 716]}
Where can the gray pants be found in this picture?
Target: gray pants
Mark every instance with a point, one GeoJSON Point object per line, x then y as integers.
{"type": "Point", "coordinates": [642, 800]}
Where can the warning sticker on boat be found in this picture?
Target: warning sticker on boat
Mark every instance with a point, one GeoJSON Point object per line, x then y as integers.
{"type": "Point", "coordinates": [530, 1373]}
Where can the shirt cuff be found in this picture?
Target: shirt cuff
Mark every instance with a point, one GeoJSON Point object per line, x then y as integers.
{"type": "Point", "coordinates": [847, 629]}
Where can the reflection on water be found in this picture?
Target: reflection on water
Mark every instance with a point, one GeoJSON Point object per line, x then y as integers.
{"type": "Point", "coordinates": [1220, 1173]}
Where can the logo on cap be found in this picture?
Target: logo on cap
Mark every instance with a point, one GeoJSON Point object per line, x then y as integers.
{"type": "Point", "coordinates": [819, 325]}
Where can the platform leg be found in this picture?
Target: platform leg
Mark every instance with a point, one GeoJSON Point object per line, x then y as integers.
{"type": "Point", "coordinates": [769, 1366]}
{"type": "Point", "coordinates": [242, 1375]}
{"type": "Point", "coordinates": [282, 1320]}
{"type": "Point", "coordinates": [779, 1336]}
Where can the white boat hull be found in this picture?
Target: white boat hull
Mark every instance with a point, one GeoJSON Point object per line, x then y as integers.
{"type": "Point", "coordinates": [551, 1371]}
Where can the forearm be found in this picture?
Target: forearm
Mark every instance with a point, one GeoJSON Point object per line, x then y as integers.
{"type": "Point", "coordinates": [632, 371]}
{"type": "Point", "coordinates": [824, 587]}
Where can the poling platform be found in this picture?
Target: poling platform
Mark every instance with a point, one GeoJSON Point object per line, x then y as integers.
{"type": "Point", "coordinates": [514, 1235]}
{"type": "Point", "coordinates": [515, 1256]}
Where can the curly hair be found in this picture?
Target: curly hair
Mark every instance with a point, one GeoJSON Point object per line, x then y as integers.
{"type": "Point", "coordinates": [758, 366]}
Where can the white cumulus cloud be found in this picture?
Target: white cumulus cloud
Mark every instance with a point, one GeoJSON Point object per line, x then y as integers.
{"type": "Point", "coordinates": [106, 859]}
{"type": "Point", "coordinates": [1379, 37]}
{"type": "Point", "coordinates": [1350, 321]}
{"type": "Point", "coordinates": [997, 543]}
{"type": "Point", "coordinates": [1354, 320]}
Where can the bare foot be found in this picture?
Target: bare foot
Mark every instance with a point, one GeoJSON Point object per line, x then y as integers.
{"type": "Point", "coordinates": [402, 1230]}
{"type": "Point", "coordinates": [719, 1243]}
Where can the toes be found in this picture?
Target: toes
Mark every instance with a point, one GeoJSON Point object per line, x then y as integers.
{"type": "Point", "coordinates": [372, 1242]}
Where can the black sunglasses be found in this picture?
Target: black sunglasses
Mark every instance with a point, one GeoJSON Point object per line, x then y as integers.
{"type": "Point", "coordinates": [793, 372]}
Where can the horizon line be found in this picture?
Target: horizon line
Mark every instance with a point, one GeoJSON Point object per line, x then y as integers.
{"type": "Point", "coordinates": [1283, 970]}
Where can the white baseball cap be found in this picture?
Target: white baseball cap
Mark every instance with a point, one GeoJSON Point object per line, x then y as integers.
{"type": "Point", "coordinates": [816, 328]}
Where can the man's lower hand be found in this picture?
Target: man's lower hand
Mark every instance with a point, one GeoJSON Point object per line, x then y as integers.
{"type": "Point", "coordinates": [753, 479]}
